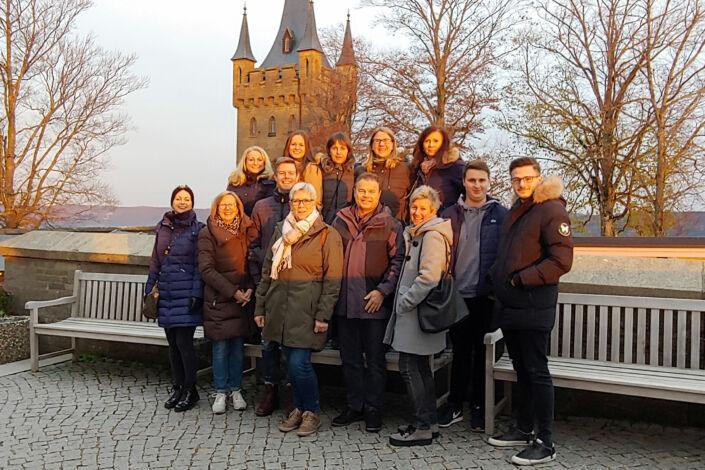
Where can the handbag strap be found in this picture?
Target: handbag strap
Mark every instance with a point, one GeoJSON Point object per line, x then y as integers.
{"type": "Point", "coordinates": [446, 269]}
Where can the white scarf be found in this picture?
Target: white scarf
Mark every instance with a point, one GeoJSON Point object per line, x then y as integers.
{"type": "Point", "coordinates": [292, 231]}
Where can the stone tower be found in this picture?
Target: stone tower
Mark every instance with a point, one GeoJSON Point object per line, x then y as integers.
{"type": "Point", "coordinates": [295, 78]}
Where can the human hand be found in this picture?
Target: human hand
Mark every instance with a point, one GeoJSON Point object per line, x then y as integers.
{"type": "Point", "coordinates": [320, 327]}
{"type": "Point", "coordinates": [259, 321]}
{"type": "Point", "coordinates": [374, 301]}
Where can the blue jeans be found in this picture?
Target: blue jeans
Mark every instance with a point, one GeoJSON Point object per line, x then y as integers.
{"type": "Point", "coordinates": [303, 378]}
{"type": "Point", "coordinates": [227, 364]}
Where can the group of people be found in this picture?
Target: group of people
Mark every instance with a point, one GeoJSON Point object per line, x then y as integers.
{"type": "Point", "coordinates": [307, 246]}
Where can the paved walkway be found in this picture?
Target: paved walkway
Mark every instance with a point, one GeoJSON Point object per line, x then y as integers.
{"type": "Point", "coordinates": [108, 415]}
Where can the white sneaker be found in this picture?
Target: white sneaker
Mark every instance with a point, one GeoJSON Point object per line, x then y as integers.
{"type": "Point", "coordinates": [238, 402]}
{"type": "Point", "coordinates": [219, 403]}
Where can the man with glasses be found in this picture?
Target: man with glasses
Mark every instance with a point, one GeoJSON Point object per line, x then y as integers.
{"type": "Point", "coordinates": [535, 250]}
{"type": "Point", "coordinates": [266, 214]}
{"type": "Point", "coordinates": [373, 246]}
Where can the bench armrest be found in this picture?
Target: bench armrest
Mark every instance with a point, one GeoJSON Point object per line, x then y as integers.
{"type": "Point", "coordinates": [37, 304]}
{"type": "Point", "coordinates": [493, 337]}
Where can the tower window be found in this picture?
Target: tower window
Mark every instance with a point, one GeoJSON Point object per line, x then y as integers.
{"type": "Point", "coordinates": [292, 123]}
{"type": "Point", "coordinates": [287, 41]}
{"type": "Point", "coordinates": [253, 127]}
{"type": "Point", "coordinates": [272, 126]}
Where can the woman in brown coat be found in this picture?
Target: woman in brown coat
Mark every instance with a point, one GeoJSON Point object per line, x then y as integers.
{"type": "Point", "coordinates": [222, 260]}
{"type": "Point", "coordinates": [300, 283]}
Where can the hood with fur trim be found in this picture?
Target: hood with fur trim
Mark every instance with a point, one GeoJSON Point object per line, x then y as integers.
{"type": "Point", "coordinates": [550, 188]}
{"type": "Point", "coordinates": [451, 156]}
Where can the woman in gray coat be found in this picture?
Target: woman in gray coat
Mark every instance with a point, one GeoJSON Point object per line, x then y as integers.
{"type": "Point", "coordinates": [428, 239]}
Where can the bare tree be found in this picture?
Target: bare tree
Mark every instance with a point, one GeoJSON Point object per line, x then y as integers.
{"type": "Point", "coordinates": [60, 99]}
{"type": "Point", "coordinates": [578, 104]}
{"type": "Point", "coordinates": [675, 81]}
{"type": "Point", "coordinates": [445, 75]}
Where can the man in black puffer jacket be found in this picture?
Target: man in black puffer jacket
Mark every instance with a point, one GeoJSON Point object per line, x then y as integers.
{"type": "Point", "coordinates": [535, 250]}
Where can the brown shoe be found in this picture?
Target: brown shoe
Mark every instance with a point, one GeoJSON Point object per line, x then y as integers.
{"type": "Point", "coordinates": [292, 422]}
{"type": "Point", "coordinates": [287, 399]}
{"type": "Point", "coordinates": [268, 402]}
{"type": "Point", "coordinates": [310, 422]}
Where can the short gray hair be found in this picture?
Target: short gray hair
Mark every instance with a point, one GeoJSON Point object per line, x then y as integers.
{"type": "Point", "coordinates": [301, 186]}
{"type": "Point", "coordinates": [426, 192]}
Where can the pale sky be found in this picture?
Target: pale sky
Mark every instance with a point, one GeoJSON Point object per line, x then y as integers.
{"type": "Point", "coordinates": [184, 120]}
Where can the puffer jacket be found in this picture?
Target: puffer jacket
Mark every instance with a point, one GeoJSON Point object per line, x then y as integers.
{"type": "Point", "coordinates": [446, 178]}
{"type": "Point", "coordinates": [535, 250]}
{"type": "Point", "coordinates": [222, 260]}
{"type": "Point", "coordinates": [174, 265]}
{"type": "Point", "coordinates": [374, 252]}
{"type": "Point", "coordinates": [395, 180]}
{"type": "Point", "coordinates": [426, 260]}
{"type": "Point", "coordinates": [304, 293]}
{"type": "Point", "coordinates": [252, 190]}
{"type": "Point", "coordinates": [338, 182]}
{"type": "Point", "coordinates": [266, 214]}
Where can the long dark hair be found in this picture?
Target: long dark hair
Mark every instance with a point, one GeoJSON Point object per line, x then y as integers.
{"type": "Point", "coordinates": [420, 155]}
{"type": "Point", "coordinates": [308, 156]}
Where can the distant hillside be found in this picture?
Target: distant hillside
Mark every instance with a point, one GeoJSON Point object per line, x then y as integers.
{"type": "Point", "coordinates": [689, 224]}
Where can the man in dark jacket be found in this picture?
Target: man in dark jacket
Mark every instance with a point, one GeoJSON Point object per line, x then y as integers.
{"type": "Point", "coordinates": [476, 220]}
{"type": "Point", "coordinates": [535, 250]}
{"type": "Point", "coordinates": [266, 214]}
{"type": "Point", "coordinates": [373, 246]}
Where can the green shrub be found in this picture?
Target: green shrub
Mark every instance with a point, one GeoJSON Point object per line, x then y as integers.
{"type": "Point", "coordinates": [5, 303]}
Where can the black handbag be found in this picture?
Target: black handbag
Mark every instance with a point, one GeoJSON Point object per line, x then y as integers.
{"type": "Point", "coordinates": [150, 303]}
{"type": "Point", "coordinates": [443, 307]}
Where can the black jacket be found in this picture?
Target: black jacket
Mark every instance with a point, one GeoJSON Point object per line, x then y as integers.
{"type": "Point", "coordinates": [266, 214]}
{"type": "Point", "coordinates": [535, 250]}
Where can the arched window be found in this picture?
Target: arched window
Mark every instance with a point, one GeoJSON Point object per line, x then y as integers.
{"type": "Point", "coordinates": [292, 123]}
{"type": "Point", "coordinates": [253, 127]}
{"type": "Point", "coordinates": [272, 126]}
{"type": "Point", "coordinates": [287, 39]}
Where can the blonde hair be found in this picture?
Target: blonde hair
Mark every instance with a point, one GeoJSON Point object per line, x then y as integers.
{"type": "Point", "coordinates": [238, 176]}
{"type": "Point", "coordinates": [219, 197]}
{"type": "Point", "coordinates": [301, 186]}
{"type": "Point", "coordinates": [370, 161]}
{"type": "Point", "coordinates": [426, 192]}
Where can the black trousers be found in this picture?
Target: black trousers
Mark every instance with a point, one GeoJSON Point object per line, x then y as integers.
{"type": "Point", "coordinates": [182, 356]}
{"type": "Point", "coordinates": [365, 377]}
{"type": "Point", "coordinates": [528, 351]}
{"type": "Point", "coordinates": [418, 378]}
{"type": "Point", "coordinates": [467, 380]}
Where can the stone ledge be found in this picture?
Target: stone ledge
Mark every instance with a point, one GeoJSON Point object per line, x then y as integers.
{"type": "Point", "coordinates": [113, 248]}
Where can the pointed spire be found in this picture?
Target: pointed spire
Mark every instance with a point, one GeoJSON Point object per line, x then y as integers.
{"type": "Point", "coordinates": [347, 53]}
{"type": "Point", "coordinates": [244, 49]}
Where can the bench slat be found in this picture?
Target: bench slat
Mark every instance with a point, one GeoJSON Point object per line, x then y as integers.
{"type": "Point", "coordinates": [641, 336]}
{"type": "Point", "coordinates": [654, 337]}
{"type": "Point", "coordinates": [668, 338]}
{"type": "Point", "coordinates": [680, 349]}
{"type": "Point", "coordinates": [567, 324]}
{"type": "Point", "coordinates": [616, 337]}
{"type": "Point", "coordinates": [604, 317]}
{"type": "Point", "coordinates": [138, 278]}
{"type": "Point", "coordinates": [695, 341]}
{"type": "Point", "coordinates": [628, 334]}
{"type": "Point", "coordinates": [634, 302]}
{"type": "Point", "coordinates": [578, 337]}
{"type": "Point", "coordinates": [590, 347]}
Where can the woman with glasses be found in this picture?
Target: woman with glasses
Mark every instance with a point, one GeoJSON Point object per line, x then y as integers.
{"type": "Point", "coordinates": [436, 163]}
{"type": "Point", "coordinates": [392, 169]}
{"type": "Point", "coordinates": [173, 268]}
{"type": "Point", "coordinates": [252, 178]}
{"type": "Point", "coordinates": [298, 148]}
{"type": "Point", "coordinates": [295, 299]}
{"type": "Point", "coordinates": [222, 260]}
{"type": "Point", "coordinates": [338, 167]}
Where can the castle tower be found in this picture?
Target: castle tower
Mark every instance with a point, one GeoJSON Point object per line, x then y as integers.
{"type": "Point", "coordinates": [281, 94]}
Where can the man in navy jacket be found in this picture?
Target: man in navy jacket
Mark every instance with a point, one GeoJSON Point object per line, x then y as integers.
{"type": "Point", "coordinates": [536, 249]}
{"type": "Point", "coordinates": [476, 220]}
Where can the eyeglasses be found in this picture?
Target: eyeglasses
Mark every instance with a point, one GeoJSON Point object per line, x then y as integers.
{"type": "Point", "coordinates": [301, 202]}
{"type": "Point", "coordinates": [525, 180]}
{"type": "Point", "coordinates": [381, 141]}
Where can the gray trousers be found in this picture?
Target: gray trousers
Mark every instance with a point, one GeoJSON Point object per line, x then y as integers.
{"type": "Point", "coordinates": [416, 372]}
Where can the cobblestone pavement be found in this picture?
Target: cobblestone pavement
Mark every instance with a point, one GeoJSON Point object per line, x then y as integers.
{"type": "Point", "coordinates": [110, 415]}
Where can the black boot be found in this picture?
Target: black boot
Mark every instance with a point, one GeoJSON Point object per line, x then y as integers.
{"type": "Point", "coordinates": [173, 398]}
{"type": "Point", "coordinates": [188, 400]}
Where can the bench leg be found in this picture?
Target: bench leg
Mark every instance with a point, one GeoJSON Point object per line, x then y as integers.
{"type": "Point", "coordinates": [74, 352]}
{"type": "Point", "coordinates": [34, 340]}
{"type": "Point", "coordinates": [489, 389]}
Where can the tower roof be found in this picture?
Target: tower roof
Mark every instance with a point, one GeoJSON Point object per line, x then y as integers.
{"type": "Point", "coordinates": [244, 49]}
{"type": "Point", "coordinates": [347, 53]}
{"type": "Point", "coordinates": [299, 18]}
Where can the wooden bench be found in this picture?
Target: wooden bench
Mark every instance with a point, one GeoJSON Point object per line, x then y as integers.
{"type": "Point", "coordinates": [331, 357]}
{"type": "Point", "coordinates": [638, 346]}
{"type": "Point", "coordinates": [104, 307]}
